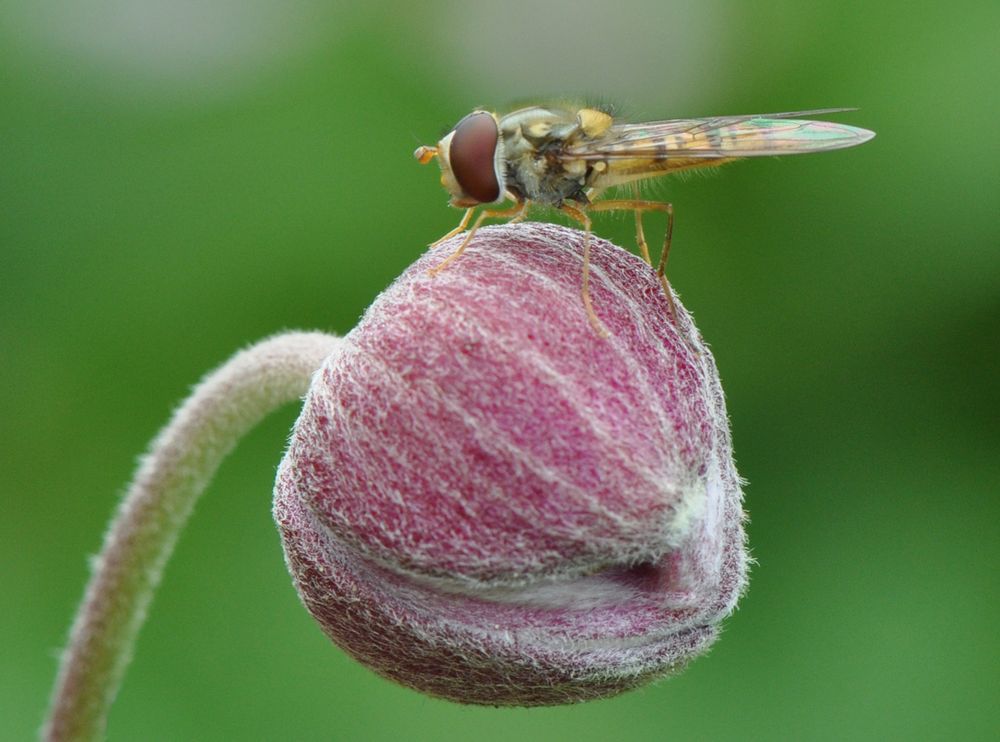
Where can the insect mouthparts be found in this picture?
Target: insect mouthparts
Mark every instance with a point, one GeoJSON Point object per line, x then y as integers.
{"type": "Point", "coordinates": [425, 154]}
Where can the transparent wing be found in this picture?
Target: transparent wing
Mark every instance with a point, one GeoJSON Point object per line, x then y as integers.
{"type": "Point", "coordinates": [721, 137]}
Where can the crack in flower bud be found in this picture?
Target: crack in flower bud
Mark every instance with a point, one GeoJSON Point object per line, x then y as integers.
{"type": "Point", "coordinates": [485, 501]}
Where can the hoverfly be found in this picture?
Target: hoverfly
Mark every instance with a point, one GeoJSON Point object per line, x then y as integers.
{"type": "Point", "coordinates": [566, 158]}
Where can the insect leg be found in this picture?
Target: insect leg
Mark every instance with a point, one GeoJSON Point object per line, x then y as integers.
{"type": "Point", "coordinates": [640, 233]}
{"type": "Point", "coordinates": [520, 217]}
{"type": "Point", "coordinates": [517, 212]}
{"type": "Point", "coordinates": [460, 228]}
{"type": "Point", "coordinates": [661, 269]}
{"type": "Point", "coordinates": [582, 217]}
{"type": "Point", "coordinates": [639, 206]}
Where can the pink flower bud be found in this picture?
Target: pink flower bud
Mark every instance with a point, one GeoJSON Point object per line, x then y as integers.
{"type": "Point", "coordinates": [485, 501]}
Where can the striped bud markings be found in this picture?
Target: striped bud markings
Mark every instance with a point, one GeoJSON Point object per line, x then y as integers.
{"type": "Point", "coordinates": [486, 502]}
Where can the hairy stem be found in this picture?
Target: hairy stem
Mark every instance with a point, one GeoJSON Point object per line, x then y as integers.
{"type": "Point", "coordinates": [181, 461]}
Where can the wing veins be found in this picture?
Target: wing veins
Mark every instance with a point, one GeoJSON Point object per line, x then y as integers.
{"type": "Point", "coordinates": [652, 140]}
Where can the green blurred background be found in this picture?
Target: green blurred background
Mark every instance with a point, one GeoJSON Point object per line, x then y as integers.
{"type": "Point", "coordinates": [178, 179]}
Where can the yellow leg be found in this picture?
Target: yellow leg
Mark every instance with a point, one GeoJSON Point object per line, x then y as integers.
{"type": "Point", "coordinates": [460, 228]}
{"type": "Point", "coordinates": [640, 233]}
{"type": "Point", "coordinates": [520, 217]}
{"type": "Point", "coordinates": [516, 212]}
{"type": "Point", "coordinates": [595, 322]}
{"type": "Point", "coordinates": [640, 238]}
{"type": "Point", "coordinates": [639, 206]}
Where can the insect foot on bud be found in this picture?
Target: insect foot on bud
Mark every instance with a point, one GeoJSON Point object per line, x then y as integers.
{"type": "Point", "coordinates": [486, 502]}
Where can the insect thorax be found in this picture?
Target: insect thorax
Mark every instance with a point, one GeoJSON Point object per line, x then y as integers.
{"type": "Point", "coordinates": [535, 170]}
{"type": "Point", "coordinates": [533, 178]}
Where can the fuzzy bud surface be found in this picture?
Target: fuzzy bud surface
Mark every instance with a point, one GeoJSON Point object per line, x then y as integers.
{"type": "Point", "coordinates": [485, 501]}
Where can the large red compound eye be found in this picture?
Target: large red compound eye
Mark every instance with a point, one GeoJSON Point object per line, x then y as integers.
{"type": "Point", "coordinates": [471, 155]}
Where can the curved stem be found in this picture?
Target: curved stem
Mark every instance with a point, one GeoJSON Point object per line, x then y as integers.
{"type": "Point", "coordinates": [181, 461]}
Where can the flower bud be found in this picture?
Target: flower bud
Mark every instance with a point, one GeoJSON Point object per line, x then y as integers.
{"type": "Point", "coordinates": [486, 501]}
